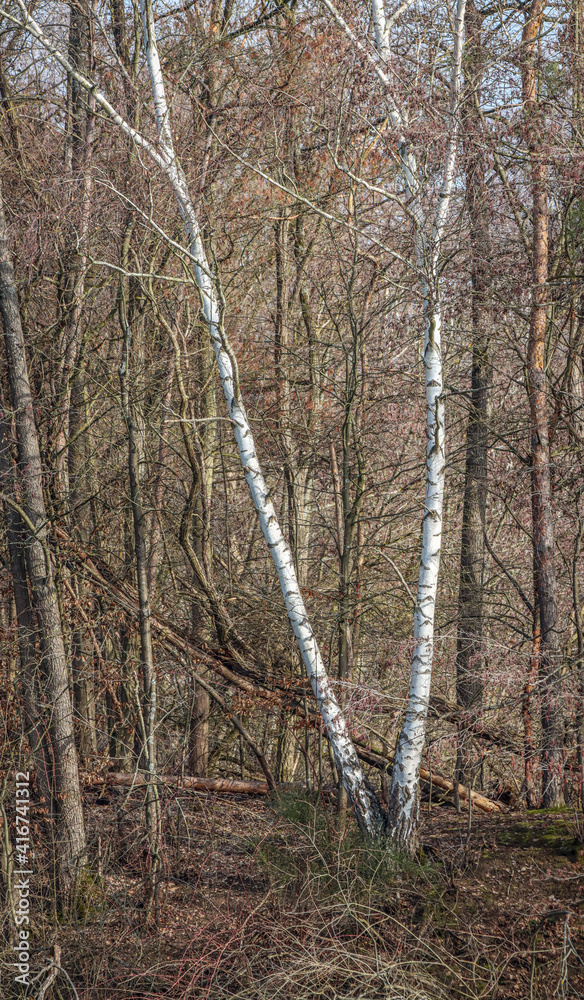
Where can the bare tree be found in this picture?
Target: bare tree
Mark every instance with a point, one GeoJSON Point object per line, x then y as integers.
{"type": "Point", "coordinates": [472, 558]}
{"type": "Point", "coordinates": [542, 502]}
{"type": "Point", "coordinates": [403, 807]}
{"type": "Point", "coordinates": [66, 802]}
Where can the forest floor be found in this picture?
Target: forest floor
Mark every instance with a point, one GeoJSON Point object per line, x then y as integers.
{"type": "Point", "coordinates": [268, 899]}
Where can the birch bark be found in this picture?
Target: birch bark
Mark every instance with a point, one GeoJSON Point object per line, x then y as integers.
{"type": "Point", "coordinates": [367, 809]}
{"type": "Point", "coordinates": [366, 806]}
{"type": "Point", "coordinates": [403, 807]}
{"type": "Point", "coordinates": [404, 799]}
{"type": "Point", "coordinates": [403, 812]}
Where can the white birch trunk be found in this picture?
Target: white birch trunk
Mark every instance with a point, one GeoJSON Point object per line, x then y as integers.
{"type": "Point", "coordinates": [404, 801]}
{"type": "Point", "coordinates": [363, 798]}
{"type": "Point", "coordinates": [402, 818]}
{"type": "Point", "coordinates": [367, 809]}
{"type": "Point", "coordinates": [403, 807]}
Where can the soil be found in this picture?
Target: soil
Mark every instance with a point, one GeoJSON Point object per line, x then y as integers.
{"type": "Point", "coordinates": [270, 899]}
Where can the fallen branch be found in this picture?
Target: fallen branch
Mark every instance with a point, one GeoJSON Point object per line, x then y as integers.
{"type": "Point", "coordinates": [127, 598]}
{"type": "Point", "coordinates": [249, 681]}
{"type": "Point", "coordinates": [238, 725]}
{"type": "Point", "coordinates": [233, 786]}
{"type": "Point", "coordinates": [222, 786]}
{"type": "Point", "coordinates": [383, 761]}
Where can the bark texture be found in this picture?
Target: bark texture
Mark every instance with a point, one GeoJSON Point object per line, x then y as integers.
{"type": "Point", "coordinates": [541, 480]}
{"type": "Point", "coordinates": [65, 791]}
{"type": "Point", "coordinates": [403, 813]}
{"type": "Point", "coordinates": [469, 685]}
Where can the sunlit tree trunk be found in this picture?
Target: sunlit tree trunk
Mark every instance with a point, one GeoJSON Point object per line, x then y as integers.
{"type": "Point", "coordinates": [403, 813]}
{"type": "Point", "coordinates": [541, 485]}
{"type": "Point", "coordinates": [367, 809]}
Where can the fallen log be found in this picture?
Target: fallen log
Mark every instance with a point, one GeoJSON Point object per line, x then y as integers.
{"type": "Point", "coordinates": [222, 786]}
{"type": "Point", "coordinates": [235, 786]}
{"type": "Point", "coordinates": [377, 758]}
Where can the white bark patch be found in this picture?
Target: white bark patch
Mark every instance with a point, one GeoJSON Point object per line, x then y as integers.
{"type": "Point", "coordinates": [408, 756]}
{"type": "Point", "coordinates": [367, 810]}
{"type": "Point", "coordinates": [365, 803]}
{"type": "Point", "coordinates": [403, 812]}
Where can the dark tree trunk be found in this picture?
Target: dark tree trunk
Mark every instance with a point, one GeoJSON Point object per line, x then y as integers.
{"type": "Point", "coordinates": [198, 755]}
{"type": "Point", "coordinates": [78, 156]}
{"type": "Point", "coordinates": [149, 681]}
{"type": "Point", "coordinates": [27, 678]}
{"type": "Point", "coordinates": [532, 795]}
{"type": "Point", "coordinates": [472, 557]}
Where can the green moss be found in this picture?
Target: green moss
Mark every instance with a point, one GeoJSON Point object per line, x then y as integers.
{"type": "Point", "coordinates": [553, 834]}
{"type": "Point", "coordinates": [89, 894]}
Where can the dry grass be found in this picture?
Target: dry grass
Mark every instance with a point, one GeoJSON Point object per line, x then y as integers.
{"type": "Point", "coordinates": [269, 901]}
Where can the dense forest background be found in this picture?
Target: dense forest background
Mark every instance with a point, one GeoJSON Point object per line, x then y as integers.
{"type": "Point", "coordinates": [151, 683]}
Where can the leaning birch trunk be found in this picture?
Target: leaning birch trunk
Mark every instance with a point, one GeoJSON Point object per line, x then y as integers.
{"type": "Point", "coordinates": [366, 806]}
{"type": "Point", "coordinates": [367, 809]}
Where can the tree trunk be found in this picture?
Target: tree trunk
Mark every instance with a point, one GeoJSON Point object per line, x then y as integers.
{"type": "Point", "coordinates": [367, 809]}
{"type": "Point", "coordinates": [542, 505]}
{"type": "Point", "coordinates": [532, 796]}
{"type": "Point", "coordinates": [198, 755]}
{"type": "Point", "coordinates": [403, 813]}
{"type": "Point", "coordinates": [66, 796]}
{"type": "Point", "coordinates": [469, 661]}
{"type": "Point", "coordinates": [27, 680]}
{"type": "Point", "coordinates": [470, 599]}
{"type": "Point", "coordinates": [81, 650]}
{"type": "Point", "coordinates": [366, 806]}
{"type": "Point", "coordinates": [403, 805]}
{"type": "Point", "coordinates": [149, 686]}
{"type": "Point", "coordinates": [577, 603]}
{"type": "Point", "coordinates": [73, 397]}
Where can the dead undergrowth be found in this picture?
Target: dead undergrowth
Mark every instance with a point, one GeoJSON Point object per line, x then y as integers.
{"type": "Point", "coordinates": [271, 901]}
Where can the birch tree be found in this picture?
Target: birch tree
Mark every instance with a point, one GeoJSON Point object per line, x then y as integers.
{"type": "Point", "coordinates": [403, 807]}
{"type": "Point", "coordinates": [362, 797]}
{"type": "Point", "coordinates": [367, 809]}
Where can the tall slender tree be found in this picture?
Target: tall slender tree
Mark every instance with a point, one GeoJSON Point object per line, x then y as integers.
{"type": "Point", "coordinates": [537, 388]}
{"type": "Point", "coordinates": [469, 654]}
{"type": "Point", "coordinates": [66, 804]}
